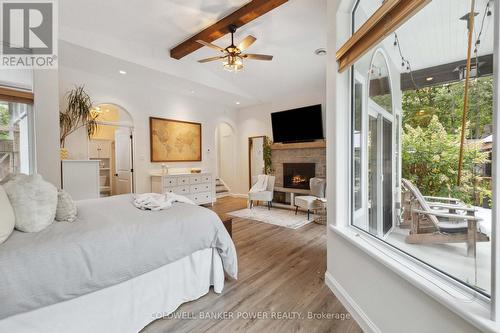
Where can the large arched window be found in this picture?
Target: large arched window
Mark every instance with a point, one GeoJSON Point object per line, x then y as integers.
{"type": "Point", "coordinates": [380, 90]}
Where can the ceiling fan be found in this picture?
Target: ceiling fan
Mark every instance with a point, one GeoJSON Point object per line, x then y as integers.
{"type": "Point", "coordinates": [233, 55]}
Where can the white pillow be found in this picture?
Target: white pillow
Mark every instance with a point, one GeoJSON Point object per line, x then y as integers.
{"type": "Point", "coordinates": [34, 202]}
{"type": "Point", "coordinates": [7, 217]}
{"type": "Point", "coordinates": [66, 207]}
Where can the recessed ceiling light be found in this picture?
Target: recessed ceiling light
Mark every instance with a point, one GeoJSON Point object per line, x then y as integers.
{"type": "Point", "coordinates": [238, 103]}
{"type": "Point", "coordinates": [430, 78]}
{"type": "Point", "coordinates": [122, 72]}
{"type": "Point", "coordinates": [320, 52]}
{"type": "Point", "coordinates": [192, 91]}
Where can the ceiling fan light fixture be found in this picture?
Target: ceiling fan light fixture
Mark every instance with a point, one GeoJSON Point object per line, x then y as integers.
{"type": "Point", "coordinates": [233, 63]}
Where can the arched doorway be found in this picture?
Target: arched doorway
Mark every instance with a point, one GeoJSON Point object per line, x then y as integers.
{"type": "Point", "coordinates": [113, 145]}
{"type": "Point", "coordinates": [225, 142]}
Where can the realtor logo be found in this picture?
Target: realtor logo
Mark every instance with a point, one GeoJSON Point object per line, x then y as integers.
{"type": "Point", "coordinates": [28, 34]}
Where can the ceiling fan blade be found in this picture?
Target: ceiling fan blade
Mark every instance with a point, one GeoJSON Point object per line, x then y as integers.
{"type": "Point", "coordinates": [258, 57]}
{"type": "Point", "coordinates": [213, 46]}
{"type": "Point", "coordinates": [245, 43]}
{"type": "Point", "coordinates": [202, 61]}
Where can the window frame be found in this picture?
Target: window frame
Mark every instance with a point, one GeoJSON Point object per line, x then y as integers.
{"type": "Point", "coordinates": [477, 309]}
{"type": "Point", "coordinates": [378, 50]}
{"type": "Point", "coordinates": [16, 96]}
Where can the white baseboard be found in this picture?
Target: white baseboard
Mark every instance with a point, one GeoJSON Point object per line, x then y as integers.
{"type": "Point", "coordinates": [358, 314]}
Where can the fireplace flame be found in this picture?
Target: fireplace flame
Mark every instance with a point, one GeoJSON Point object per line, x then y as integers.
{"type": "Point", "coordinates": [298, 179]}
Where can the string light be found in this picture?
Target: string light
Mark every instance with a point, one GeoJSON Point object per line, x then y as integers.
{"type": "Point", "coordinates": [404, 62]}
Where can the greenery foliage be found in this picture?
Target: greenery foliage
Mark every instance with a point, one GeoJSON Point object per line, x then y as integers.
{"type": "Point", "coordinates": [430, 160]}
{"type": "Point", "coordinates": [268, 164]}
{"type": "Point", "coordinates": [78, 114]}
{"type": "Point", "coordinates": [4, 120]}
{"type": "Point", "coordinates": [447, 103]}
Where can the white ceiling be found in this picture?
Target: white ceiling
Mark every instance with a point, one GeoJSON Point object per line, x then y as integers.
{"type": "Point", "coordinates": [436, 35]}
{"type": "Point", "coordinates": [441, 37]}
{"type": "Point", "coordinates": [142, 32]}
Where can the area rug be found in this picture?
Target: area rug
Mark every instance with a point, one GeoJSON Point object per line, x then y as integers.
{"type": "Point", "coordinates": [280, 217]}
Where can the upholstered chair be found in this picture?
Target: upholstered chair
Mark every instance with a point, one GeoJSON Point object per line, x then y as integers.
{"type": "Point", "coordinates": [307, 202]}
{"type": "Point", "coordinates": [266, 196]}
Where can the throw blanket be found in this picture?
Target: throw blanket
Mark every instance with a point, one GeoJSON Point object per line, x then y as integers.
{"type": "Point", "coordinates": [261, 184]}
{"type": "Point", "coordinates": [155, 201]}
{"type": "Point", "coordinates": [110, 242]}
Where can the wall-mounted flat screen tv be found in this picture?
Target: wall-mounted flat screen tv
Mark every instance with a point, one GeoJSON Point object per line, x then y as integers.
{"type": "Point", "coordinates": [298, 125]}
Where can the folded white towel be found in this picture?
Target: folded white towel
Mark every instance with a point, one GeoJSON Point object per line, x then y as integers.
{"type": "Point", "coordinates": [155, 201]}
{"type": "Point", "coordinates": [261, 184]}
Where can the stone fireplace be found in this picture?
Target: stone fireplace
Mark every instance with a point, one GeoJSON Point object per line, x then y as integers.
{"type": "Point", "coordinates": [297, 175]}
{"type": "Point", "coordinates": [310, 155]}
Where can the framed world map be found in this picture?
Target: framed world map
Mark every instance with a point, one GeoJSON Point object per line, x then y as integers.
{"type": "Point", "coordinates": [174, 140]}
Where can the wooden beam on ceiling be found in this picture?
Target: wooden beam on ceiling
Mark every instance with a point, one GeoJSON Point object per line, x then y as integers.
{"type": "Point", "coordinates": [387, 18]}
{"type": "Point", "coordinates": [239, 18]}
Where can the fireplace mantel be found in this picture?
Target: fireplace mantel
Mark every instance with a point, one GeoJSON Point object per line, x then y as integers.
{"type": "Point", "coordinates": [299, 145]}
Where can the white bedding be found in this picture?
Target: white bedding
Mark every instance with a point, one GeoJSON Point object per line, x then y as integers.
{"type": "Point", "coordinates": [128, 306]}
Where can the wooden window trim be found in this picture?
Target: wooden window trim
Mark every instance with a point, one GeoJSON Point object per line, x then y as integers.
{"type": "Point", "coordinates": [16, 96]}
{"type": "Point", "coordinates": [387, 18]}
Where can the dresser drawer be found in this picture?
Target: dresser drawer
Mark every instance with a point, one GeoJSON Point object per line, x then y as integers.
{"type": "Point", "coordinates": [194, 180]}
{"type": "Point", "coordinates": [169, 190]}
{"type": "Point", "coordinates": [201, 198]}
{"type": "Point", "coordinates": [182, 190]}
{"type": "Point", "coordinates": [181, 181]}
{"type": "Point", "coordinates": [206, 179]}
{"type": "Point", "coordinates": [199, 188]}
{"type": "Point", "coordinates": [169, 181]}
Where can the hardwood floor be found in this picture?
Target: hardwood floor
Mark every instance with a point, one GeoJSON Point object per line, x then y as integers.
{"type": "Point", "coordinates": [281, 273]}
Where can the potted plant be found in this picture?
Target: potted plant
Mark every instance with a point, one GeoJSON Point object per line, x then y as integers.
{"type": "Point", "coordinates": [78, 114]}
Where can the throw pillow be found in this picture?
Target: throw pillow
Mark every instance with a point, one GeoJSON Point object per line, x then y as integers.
{"type": "Point", "coordinates": [7, 218]}
{"type": "Point", "coordinates": [66, 207]}
{"type": "Point", "coordinates": [34, 202]}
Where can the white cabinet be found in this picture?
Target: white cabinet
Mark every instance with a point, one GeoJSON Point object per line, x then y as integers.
{"type": "Point", "coordinates": [81, 179]}
{"type": "Point", "coordinates": [200, 187]}
{"type": "Point", "coordinates": [99, 148]}
{"type": "Point", "coordinates": [102, 151]}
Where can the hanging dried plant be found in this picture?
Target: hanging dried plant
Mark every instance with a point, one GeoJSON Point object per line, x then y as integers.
{"type": "Point", "coordinates": [78, 114]}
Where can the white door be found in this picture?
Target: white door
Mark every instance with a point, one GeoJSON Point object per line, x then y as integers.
{"type": "Point", "coordinates": [123, 158]}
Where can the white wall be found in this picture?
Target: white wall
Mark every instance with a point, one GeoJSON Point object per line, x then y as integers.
{"type": "Point", "coordinates": [256, 121]}
{"type": "Point", "coordinates": [17, 78]}
{"type": "Point", "coordinates": [143, 101]}
{"type": "Point", "coordinates": [46, 106]}
{"type": "Point", "coordinates": [391, 303]}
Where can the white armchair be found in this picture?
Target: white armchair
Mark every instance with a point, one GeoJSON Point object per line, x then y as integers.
{"type": "Point", "coordinates": [307, 202]}
{"type": "Point", "coordinates": [266, 196]}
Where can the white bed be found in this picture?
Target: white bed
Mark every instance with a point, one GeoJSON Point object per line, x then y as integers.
{"type": "Point", "coordinates": [131, 305]}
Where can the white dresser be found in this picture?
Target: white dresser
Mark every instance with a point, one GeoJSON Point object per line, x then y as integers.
{"type": "Point", "coordinates": [199, 187]}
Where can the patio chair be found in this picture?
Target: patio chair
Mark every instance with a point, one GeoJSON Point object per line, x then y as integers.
{"type": "Point", "coordinates": [435, 222]}
{"type": "Point", "coordinates": [410, 191]}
